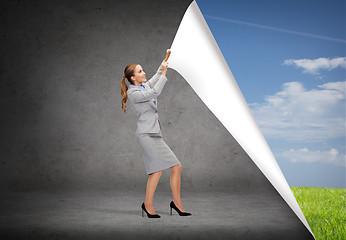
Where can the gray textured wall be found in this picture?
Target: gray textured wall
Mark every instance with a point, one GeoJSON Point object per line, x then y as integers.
{"type": "Point", "coordinates": [61, 121]}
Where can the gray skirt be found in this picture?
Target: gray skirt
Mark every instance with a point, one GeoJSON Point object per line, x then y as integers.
{"type": "Point", "coordinates": [156, 154]}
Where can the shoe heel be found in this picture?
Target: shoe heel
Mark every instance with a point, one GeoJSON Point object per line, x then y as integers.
{"type": "Point", "coordinates": [142, 213]}
{"type": "Point", "coordinates": [171, 210]}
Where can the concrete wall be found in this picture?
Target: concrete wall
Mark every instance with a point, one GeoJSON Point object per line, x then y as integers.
{"type": "Point", "coordinates": [62, 126]}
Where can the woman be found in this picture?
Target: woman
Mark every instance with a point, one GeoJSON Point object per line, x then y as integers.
{"type": "Point", "coordinates": [142, 94]}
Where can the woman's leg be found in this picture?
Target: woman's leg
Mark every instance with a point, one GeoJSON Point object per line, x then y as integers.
{"type": "Point", "coordinates": [175, 181]}
{"type": "Point", "coordinates": [151, 186]}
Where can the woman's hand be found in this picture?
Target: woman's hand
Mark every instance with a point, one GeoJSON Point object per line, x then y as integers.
{"type": "Point", "coordinates": [168, 54]}
{"type": "Point", "coordinates": [164, 64]}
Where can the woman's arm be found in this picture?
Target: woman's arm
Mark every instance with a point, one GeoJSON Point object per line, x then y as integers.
{"type": "Point", "coordinates": [142, 96]}
{"type": "Point", "coordinates": [161, 71]}
{"type": "Point", "coordinates": [152, 81]}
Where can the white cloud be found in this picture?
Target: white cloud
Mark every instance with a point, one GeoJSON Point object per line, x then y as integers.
{"type": "Point", "coordinates": [299, 115]}
{"type": "Point", "coordinates": [313, 66]}
{"type": "Point", "coordinates": [305, 155]}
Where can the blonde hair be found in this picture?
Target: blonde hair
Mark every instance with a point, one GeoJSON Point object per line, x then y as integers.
{"type": "Point", "coordinates": [128, 72]}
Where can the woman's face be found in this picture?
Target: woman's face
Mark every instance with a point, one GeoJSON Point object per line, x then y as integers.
{"type": "Point", "coordinates": [139, 75]}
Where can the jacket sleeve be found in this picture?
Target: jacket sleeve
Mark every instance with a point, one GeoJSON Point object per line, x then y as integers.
{"type": "Point", "coordinates": [152, 81]}
{"type": "Point", "coordinates": [137, 96]}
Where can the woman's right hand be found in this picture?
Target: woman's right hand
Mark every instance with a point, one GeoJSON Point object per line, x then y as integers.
{"type": "Point", "coordinates": [164, 64]}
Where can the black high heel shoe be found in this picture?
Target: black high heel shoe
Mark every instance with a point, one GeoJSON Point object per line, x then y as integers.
{"type": "Point", "coordinates": [149, 215]}
{"type": "Point", "coordinates": [172, 205]}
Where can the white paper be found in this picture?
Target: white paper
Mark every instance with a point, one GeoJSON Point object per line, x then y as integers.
{"type": "Point", "coordinates": [197, 57]}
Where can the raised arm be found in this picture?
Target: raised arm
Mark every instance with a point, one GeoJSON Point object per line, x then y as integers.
{"type": "Point", "coordinates": [152, 81]}
{"type": "Point", "coordinates": [161, 71]}
{"type": "Point", "coordinates": [137, 96]}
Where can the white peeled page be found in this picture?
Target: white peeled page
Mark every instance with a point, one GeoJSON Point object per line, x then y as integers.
{"type": "Point", "coordinates": [197, 57]}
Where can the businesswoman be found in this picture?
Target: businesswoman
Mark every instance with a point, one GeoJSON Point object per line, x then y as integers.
{"type": "Point", "coordinates": [142, 95]}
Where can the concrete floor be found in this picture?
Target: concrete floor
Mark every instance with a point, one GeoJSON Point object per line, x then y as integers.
{"type": "Point", "coordinates": [117, 215]}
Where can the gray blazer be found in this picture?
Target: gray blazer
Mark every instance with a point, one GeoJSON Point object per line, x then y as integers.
{"type": "Point", "coordinates": [142, 104]}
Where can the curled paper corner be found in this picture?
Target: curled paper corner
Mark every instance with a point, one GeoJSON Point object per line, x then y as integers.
{"type": "Point", "coordinates": [197, 57]}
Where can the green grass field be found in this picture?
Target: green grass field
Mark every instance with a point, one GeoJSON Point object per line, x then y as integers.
{"type": "Point", "coordinates": [324, 209]}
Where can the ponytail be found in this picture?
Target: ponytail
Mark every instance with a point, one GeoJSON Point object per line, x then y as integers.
{"type": "Point", "coordinates": [124, 88]}
{"type": "Point", "coordinates": [128, 72]}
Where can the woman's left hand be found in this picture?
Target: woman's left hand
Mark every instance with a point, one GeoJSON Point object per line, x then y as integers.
{"type": "Point", "coordinates": [168, 51]}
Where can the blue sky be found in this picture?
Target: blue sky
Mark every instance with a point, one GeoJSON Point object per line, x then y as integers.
{"type": "Point", "coordinates": [288, 58]}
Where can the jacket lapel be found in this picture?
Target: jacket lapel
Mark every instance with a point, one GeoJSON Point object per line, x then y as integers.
{"type": "Point", "coordinates": [132, 88]}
